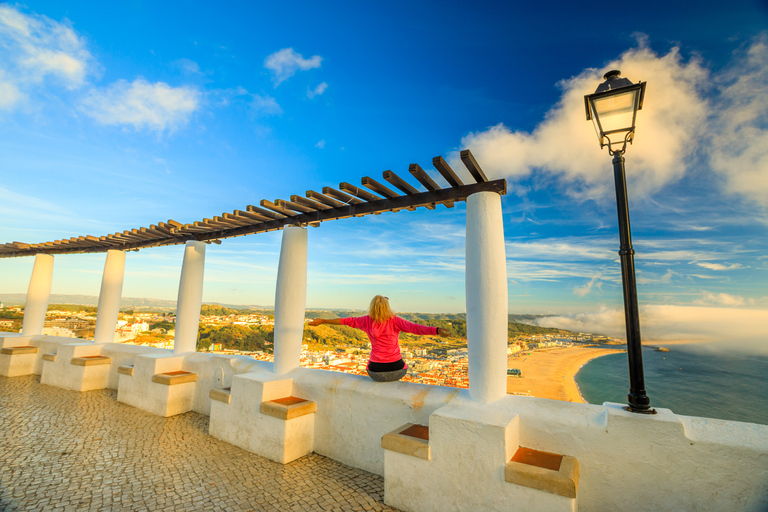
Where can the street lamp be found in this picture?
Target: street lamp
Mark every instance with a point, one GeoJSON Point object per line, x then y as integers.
{"type": "Point", "coordinates": [612, 109]}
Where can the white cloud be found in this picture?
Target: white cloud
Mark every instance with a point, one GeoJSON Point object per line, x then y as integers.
{"type": "Point", "coordinates": [286, 62]}
{"type": "Point", "coordinates": [320, 144]}
{"type": "Point", "coordinates": [722, 299]}
{"type": "Point", "coordinates": [686, 107]}
{"type": "Point", "coordinates": [36, 47]}
{"type": "Point", "coordinates": [739, 142]}
{"type": "Point", "coordinates": [9, 95]}
{"type": "Point", "coordinates": [582, 291]}
{"type": "Point", "coordinates": [317, 91]}
{"type": "Point", "coordinates": [733, 328]}
{"type": "Point", "coordinates": [717, 266]}
{"type": "Point", "coordinates": [265, 105]}
{"type": "Point", "coordinates": [565, 143]}
{"type": "Point", "coordinates": [188, 66]}
{"type": "Point", "coordinates": [141, 104]}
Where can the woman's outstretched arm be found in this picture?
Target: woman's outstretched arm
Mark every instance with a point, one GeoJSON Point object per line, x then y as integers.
{"type": "Point", "coordinates": [319, 321]}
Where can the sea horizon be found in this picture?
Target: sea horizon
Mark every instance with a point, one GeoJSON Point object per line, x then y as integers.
{"type": "Point", "coordinates": [687, 380]}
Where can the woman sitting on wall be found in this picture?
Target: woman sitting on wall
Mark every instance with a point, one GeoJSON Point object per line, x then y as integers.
{"type": "Point", "coordinates": [383, 329]}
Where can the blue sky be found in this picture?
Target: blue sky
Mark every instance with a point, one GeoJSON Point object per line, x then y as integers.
{"type": "Point", "coordinates": [119, 116]}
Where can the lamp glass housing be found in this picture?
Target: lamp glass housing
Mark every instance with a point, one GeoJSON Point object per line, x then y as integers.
{"type": "Point", "coordinates": [613, 113]}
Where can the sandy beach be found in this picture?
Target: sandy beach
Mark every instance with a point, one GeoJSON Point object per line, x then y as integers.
{"type": "Point", "coordinates": [550, 373]}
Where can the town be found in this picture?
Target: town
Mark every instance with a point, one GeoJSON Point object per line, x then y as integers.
{"type": "Point", "coordinates": [431, 360]}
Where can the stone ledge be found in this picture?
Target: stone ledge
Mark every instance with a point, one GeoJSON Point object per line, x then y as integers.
{"type": "Point", "coordinates": [222, 395]}
{"type": "Point", "coordinates": [126, 369]}
{"type": "Point", "coordinates": [288, 408]}
{"type": "Point", "coordinates": [15, 351]}
{"type": "Point", "coordinates": [173, 378]}
{"type": "Point", "coordinates": [545, 471]}
{"type": "Point", "coordinates": [409, 439]}
{"type": "Point", "coordinates": [49, 357]}
{"type": "Point", "coordinates": [91, 360]}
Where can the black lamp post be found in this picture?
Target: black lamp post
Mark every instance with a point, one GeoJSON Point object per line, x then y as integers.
{"type": "Point", "coordinates": [613, 108]}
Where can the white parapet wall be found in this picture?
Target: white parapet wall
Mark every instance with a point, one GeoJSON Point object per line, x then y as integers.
{"type": "Point", "coordinates": [661, 462]}
{"type": "Point", "coordinates": [626, 460]}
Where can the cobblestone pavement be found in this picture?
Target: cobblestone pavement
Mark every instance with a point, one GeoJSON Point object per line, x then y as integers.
{"type": "Point", "coordinates": [68, 451]}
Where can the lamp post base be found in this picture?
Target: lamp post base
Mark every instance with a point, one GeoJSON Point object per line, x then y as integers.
{"type": "Point", "coordinates": [639, 411]}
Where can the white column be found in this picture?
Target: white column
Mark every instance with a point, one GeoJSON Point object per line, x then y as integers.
{"type": "Point", "coordinates": [486, 289]}
{"type": "Point", "coordinates": [37, 295]}
{"type": "Point", "coordinates": [290, 299]}
{"type": "Point", "coordinates": [109, 297]}
{"type": "Point", "coordinates": [190, 297]}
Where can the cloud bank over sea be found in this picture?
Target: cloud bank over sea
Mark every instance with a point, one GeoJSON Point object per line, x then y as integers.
{"type": "Point", "coordinates": [723, 328]}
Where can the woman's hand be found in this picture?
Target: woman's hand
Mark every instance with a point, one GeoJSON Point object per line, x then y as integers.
{"type": "Point", "coordinates": [444, 333]}
{"type": "Point", "coordinates": [316, 321]}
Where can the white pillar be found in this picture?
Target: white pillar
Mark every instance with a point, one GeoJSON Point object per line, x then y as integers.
{"type": "Point", "coordinates": [109, 297]}
{"type": "Point", "coordinates": [37, 295]}
{"type": "Point", "coordinates": [290, 299]}
{"type": "Point", "coordinates": [486, 289]}
{"type": "Point", "coordinates": [190, 297]}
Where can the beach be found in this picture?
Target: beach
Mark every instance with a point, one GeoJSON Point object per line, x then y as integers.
{"type": "Point", "coordinates": [550, 373]}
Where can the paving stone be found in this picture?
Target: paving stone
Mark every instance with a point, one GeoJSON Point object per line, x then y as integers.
{"type": "Point", "coordinates": [63, 450]}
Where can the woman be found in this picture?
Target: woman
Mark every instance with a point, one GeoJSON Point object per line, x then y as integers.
{"type": "Point", "coordinates": [383, 329]}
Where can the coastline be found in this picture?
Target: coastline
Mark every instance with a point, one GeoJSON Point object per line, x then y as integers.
{"type": "Point", "coordinates": [551, 373]}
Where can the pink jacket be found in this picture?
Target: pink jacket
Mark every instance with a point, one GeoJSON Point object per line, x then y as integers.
{"type": "Point", "coordinates": [385, 346]}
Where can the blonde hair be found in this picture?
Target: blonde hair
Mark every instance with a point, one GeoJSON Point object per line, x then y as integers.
{"type": "Point", "coordinates": [379, 310]}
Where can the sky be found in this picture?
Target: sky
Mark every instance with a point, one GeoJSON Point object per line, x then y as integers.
{"type": "Point", "coordinates": [116, 116]}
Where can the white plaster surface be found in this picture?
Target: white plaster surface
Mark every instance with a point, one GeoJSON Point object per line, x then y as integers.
{"type": "Point", "coordinates": [37, 295]}
{"type": "Point", "coordinates": [109, 297]}
{"type": "Point", "coordinates": [354, 412]}
{"type": "Point", "coordinates": [63, 374]}
{"type": "Point", "coordinates": [190, 297]}
{"type": "Point", "coordinates": [13, 339]}
{"type": "Point", "coordinates": [17, 365]}
{"type": "Point", "coordinates": [240, 423]}
{"type": "Point", "coordinates": [486, 292]}
{"type": "Point", "coordinates": [139, 391]}
{"type": "Point", "coordinates": [290, 299]}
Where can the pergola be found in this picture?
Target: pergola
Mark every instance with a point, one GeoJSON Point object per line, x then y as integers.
{"type": "Point", "coordinates": [486, 286]}
{"type": "Point", "coordinates": [310, 209]}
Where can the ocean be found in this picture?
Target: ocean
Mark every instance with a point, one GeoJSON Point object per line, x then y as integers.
{"type": "Point", "coordinates": [688, 380]}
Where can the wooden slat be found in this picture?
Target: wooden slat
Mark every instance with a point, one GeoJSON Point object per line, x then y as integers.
{"type": "Point", "coordinates": [253, 216]}
{"type": "Point", "coordinates": [378, 187]}
{"type": "Point", "coordinates": [423, 177]}
{"type": "Point", "coordinates": [399, 182]}
{"type": "Point", "coordinates": [165, 231]}
{"type": "Point", "coordinates": [309, 203]}
{"type": "Point", "coordinates": [215, 224]}
{"type": "Point", "coordinates": [445, 170]}
{"type": "Point", "coordinates": [296, 207]}
{"type": "Point", "coordinates": [403, 185]}
{"type": "Point", "coordinates": [472, 166]}
{"type": "Point", "coordinates": [275, 208]}
{"type": "Point", "coordinates": [341, 196]}
{"type": "Point", "coordinates": [270, 214]}
{"type": "Point", "coordinates": [243, 220]}
{"type": "Point", "coordinates": [230, 221]}
{"type": "Point", "coordinates": [359, 192]}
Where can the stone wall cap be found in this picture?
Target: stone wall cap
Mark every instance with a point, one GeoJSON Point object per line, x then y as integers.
{"type": "Point", "coordinates": [90, 360]}
{"type": "Point", "coordinates": [173, 378]}
{"type": "Point", "coordinates": [409, 439]}
{"type": "Point", "coordinates": [533, 468]}
{"type": "Point", "coordinates": [287, 408]}
{"type": "Point", "coordinates": [15, 351]}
